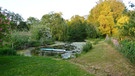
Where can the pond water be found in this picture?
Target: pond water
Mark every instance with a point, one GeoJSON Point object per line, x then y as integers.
{"type": "Point", "coordinates": [70, 50]}
{"type": "Point", "coordinates": [65, 51]}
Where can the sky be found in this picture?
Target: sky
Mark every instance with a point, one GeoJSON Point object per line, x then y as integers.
{"type": "Point", "coordinates": [37, 8]}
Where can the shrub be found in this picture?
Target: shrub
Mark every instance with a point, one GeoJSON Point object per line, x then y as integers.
{"type": "Point", "coordinates": [20, 39]}
{"type": "Point", "coordinates": [7, 51]}
{"type": "Point", "coordinates": [91, 31]}
{"type": "Point", "coordinates": [87, 47]}
{"type": "Point", "coordinates": [4, 28]}
{"type": "Point", "coordinates": [76, 32]}
{"type": "Point", "coordinates": [33, 43]}
{"type": "Point", "coordinates": [128, 49]}
{"type": "Point", "coordinates": [42, 34]}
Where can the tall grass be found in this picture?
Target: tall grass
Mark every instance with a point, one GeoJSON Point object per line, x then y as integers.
{"type": "Point", "coordinates": [128, 49]}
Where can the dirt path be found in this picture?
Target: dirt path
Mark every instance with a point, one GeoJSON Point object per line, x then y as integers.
{"type": "Point", "coordinates": [104, 60]}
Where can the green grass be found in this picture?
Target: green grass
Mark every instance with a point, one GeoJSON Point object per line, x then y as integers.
{"type": "Point", "coordinates": [38, 66]}
{"type": "Point", "coordinates": [94, 41]}
{"type": "Point", "coordinates": [104, 60]}
{"type": "Point", "coordinates": [87, 47]}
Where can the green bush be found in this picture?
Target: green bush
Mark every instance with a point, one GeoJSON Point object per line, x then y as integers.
{"type": "Point", "coordinates": [7, 51]}
{"type": "Point", "coordinates": [128, 49]}
{"type": "Point", "coordinates": [42, 34]}
{"type": "Point", "coordinates": [91, 31]}
{"type": "Point", "coordinates": [20, 39]}
{"type": "Point", "coordinates": [87, 47]}
{"type": "Point", "coordinates": [33, 43]}
{"type": "Point", "coordinates": [76, 32]}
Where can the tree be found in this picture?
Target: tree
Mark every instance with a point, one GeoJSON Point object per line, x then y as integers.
{"type": "Point", "coordinates": [105, 15]}
{"type": "Point", "coordinates": [77, 28]}
{"type": "Point", "coordinates": [32, 21]}
{"type": "Point", "coordinates": [122, 20]}
{"type": "Point", "coordinates": [91, 31]}
{"type": "Point", "coordinates": [41, 33]}
{"type": "Point", "coordinates": [56, 24]}
{"type": "Point", "coordinates": [106, 20]}
{"type": "Point", "coordinates": [4, 28]}
{"type": "Point", "coordinates": [127, 27]}
{"type": "Point", "coordinates": [22, 26]}
{"type": "Point", "coordinates": [14, 18]}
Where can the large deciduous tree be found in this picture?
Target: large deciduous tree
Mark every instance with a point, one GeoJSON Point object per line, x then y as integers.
{"type": "Point", "coordinates": [105, 15]}
{"type": "Point", "coordinates": [56, 24]}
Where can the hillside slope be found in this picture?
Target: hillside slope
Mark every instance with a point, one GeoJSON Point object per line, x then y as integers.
{"type": "Point", "coordinates": [104, 60]}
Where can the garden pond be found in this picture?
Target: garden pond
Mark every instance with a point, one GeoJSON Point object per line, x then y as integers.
{"type": "Point", "coordinates": [59, 49]}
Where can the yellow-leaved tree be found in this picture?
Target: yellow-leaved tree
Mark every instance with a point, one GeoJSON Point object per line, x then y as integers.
{"type": "Point", "coordinates": [105, 16]}
{"type": "Point", "coordinates": [122, 20]}
{"type": "Point", "coordinates": [106, 20]}
{"type": "Point", "coordinates": [120, 23]}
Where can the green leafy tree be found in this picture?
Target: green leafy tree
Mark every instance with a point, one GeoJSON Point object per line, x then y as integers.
{"type": "Point", "coordinates": [41, 33]}
{"type": "Point", "coordinates": [32, 21]}
{"type": "Point", "coordinates": [77, 28]}
{"type": "Point", "coordinates": [56, 24]}
{"type": "Point", "coordinates": [91, 31]}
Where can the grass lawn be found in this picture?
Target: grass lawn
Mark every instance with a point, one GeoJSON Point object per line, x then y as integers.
{"type": "Point", "coordinates": [104, 60]}
{"type": "Point", "coordinates": [38, 66]}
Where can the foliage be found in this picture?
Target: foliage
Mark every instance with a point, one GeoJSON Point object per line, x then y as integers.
{"type": "Point", "coordinates": [8, 22]}
{"type": "Point", "coordinates": [42, 34]}
{"type": "Point", "coordinates": [105, 15]}
{"type": "Point", "coordinates": [128, 28]}
{"type": "Point", "coordinates": [33, 43]}
{"type": "Point", "coordinates": [19, 39]}
{"type": "Point", "coordinates": [106, 20]}
{"type": "Point", "coordinates": [87, 47]}
{"type": "Point", "coordinates": [127, 34]}
{"type": "Point", "coordinates": [7, 51]}
{"type": "Point", "coordinates": [22, 26]}
{"type": "Point", "coordinates": [76, 29]}
{"type": "Point", "coordinates": [38, 66]}
{"type": "Point", "coordinates": [4, 28]}
{"type": "Point", "coordinates": [124, 19]}
{"type": "Point", "coordinates": [91, 31]}
{"type": "Point", "coordinates": [14, 18]}
{"type": "Point", "coordinates": [57, 25]}
{"type": "Point", "coordinates": [31, 21]}
{"type": "Point", "coordinates": [128, 49]}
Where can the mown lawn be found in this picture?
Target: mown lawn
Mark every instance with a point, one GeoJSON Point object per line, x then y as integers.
{"type": "Point", "coordinates": [38, 66]}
